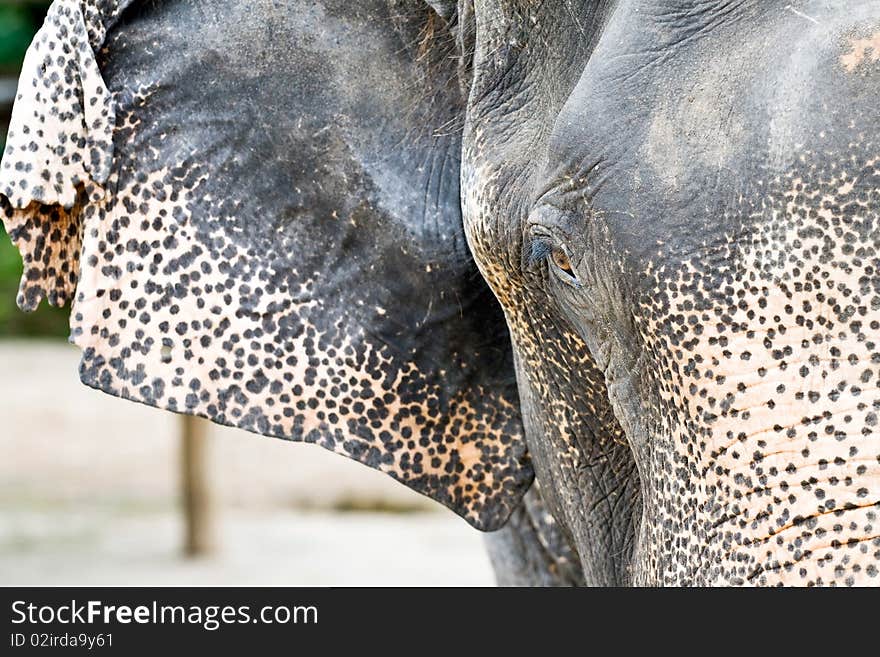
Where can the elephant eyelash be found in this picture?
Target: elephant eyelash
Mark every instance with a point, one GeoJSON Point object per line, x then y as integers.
{"type": "Point", "coordinates": [538, 250]}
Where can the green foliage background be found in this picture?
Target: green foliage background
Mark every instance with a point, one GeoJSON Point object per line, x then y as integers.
{"type": "Point", "coordinates": [19, 21]}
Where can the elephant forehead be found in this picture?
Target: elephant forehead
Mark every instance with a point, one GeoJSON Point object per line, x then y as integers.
{"type": "Point", "coordinates": [665, 140]}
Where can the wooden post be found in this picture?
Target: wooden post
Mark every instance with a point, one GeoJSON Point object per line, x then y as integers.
{"type": "Point", "coordinates": [195, 489]}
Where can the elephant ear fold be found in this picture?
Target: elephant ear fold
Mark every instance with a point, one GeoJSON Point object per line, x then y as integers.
{"type": "Point", "coordinates": [59, 148]}
{"type": "Point", "coordinates": [267, 200]}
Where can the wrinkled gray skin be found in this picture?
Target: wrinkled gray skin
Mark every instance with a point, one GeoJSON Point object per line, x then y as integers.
{"type": "Point", "coordinates": [531, 550]}
{"type": "Point", "coordinates": [674, 203]}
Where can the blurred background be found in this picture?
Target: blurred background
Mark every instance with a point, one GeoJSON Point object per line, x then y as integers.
{"type": "Point", "coordinates": [100, 491]}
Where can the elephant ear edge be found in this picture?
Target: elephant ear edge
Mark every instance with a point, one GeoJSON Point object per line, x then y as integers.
{"type": "Point", "coordinates": [59, 148]}
{"type": "Point", "coordinates": [162, 279]}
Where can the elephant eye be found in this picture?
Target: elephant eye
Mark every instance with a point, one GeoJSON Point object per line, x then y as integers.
{"type": "Point", "coordinates": [544, 249]}
{"type": "Point", "coordinates": [560, 259]}
{"type": "Point", "coordinates": [561, 266]}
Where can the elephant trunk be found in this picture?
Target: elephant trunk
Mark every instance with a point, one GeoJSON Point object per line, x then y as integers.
{"type": "Point", "coordinates": [785, 508]}
{"type": "Point", "coordinates": [768, 469]}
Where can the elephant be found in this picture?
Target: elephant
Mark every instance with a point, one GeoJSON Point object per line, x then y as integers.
{"type": "Point", "coordinates": [599, 276]}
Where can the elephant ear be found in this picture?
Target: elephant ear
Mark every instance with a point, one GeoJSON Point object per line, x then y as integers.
{"type": "Point", "coordinates": [270, 230]}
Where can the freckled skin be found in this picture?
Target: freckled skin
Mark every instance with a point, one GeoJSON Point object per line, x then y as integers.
{"type": "Point", "coordinates": [280, 226]}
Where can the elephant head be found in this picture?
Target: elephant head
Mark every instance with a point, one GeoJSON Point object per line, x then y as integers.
{"type": "Point", "coordinates": [677, 206]}
{"type": "Point", "coordinates": [276, 216]}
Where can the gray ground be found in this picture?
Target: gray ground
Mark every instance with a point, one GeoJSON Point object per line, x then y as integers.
{"type": "Point", "coordinates": [89, 490]}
